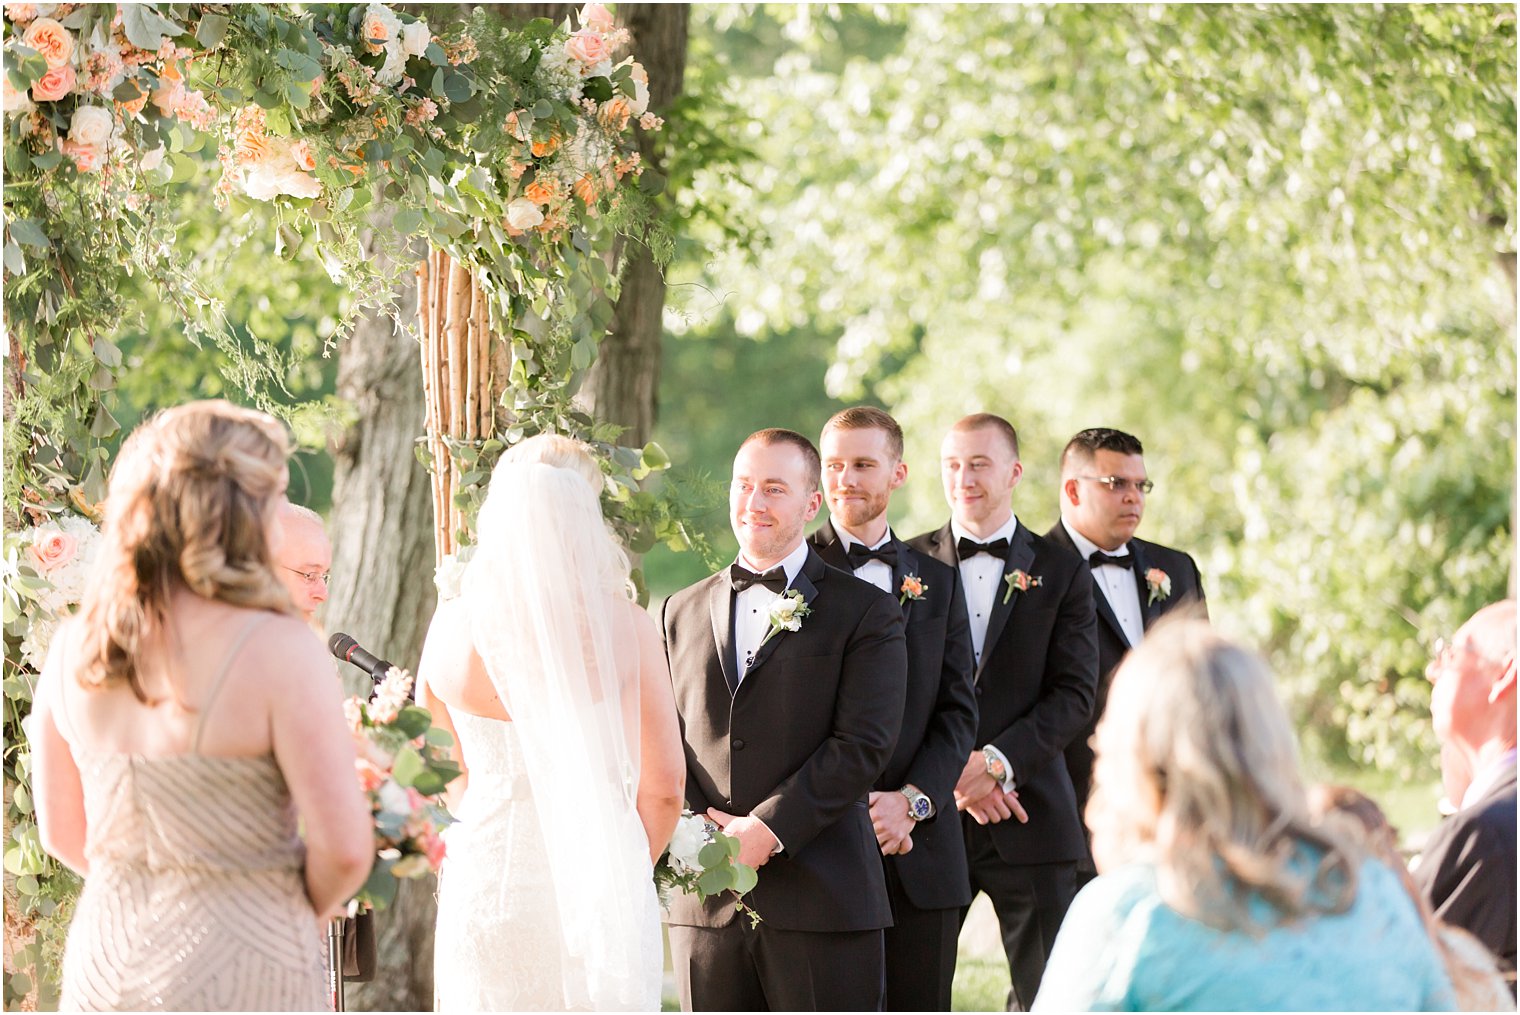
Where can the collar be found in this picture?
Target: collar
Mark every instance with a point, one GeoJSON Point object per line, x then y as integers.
{"type": "Point", "coordinates": [1006, 532]}
{"type": "Point", "coordinates": [791, 563]}
{"type": "Point", "coordinates": [846, 540]}
{"type": "Point", "coordinates": [1086, 547]}
{"type": "Point", "coordinates": [1484, 781]}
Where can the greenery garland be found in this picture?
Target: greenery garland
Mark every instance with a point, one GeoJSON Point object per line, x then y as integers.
{"type": "Point", "coordinates": [510, 147]}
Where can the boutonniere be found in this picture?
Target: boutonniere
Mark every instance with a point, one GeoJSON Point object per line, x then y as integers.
{"type": "Point", "coordinates": [1160, 585]}
{"type": "Point", "coordinates": [786, 614]}
{"type": "Point", "coordinates": [913, 587]}
{"type": "Point", "coordinates": [1021, 580]}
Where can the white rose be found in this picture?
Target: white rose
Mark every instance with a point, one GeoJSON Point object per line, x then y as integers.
{"type": "Point", "coordinates": [265, 181]}
{"type": "Point", "coordinates": [640, 97]}
{"type": "Point", "coordinates": [687, 842]}
{"type": "Point", "coordinates": [393, 799]}
{"type": "Point", "coordinates": [17, 101]}
{"type": "Point", "coordinates": [91, 125]}
{"type": "Point", "coordinates": [449, 576]}
{"type": "Point", "coordinates": [415, 38]}
{"type": "Point", "coordinates": [523, 214]}
{"type": "Point", "coordinates": [394, 67]}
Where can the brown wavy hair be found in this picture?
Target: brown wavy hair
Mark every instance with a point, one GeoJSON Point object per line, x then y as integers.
{"type": "Point", "coordinates": [190, 494]}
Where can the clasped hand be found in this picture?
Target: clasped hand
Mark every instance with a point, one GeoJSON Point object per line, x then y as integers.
{"type": "Point", "coordinates": [757, 843]}
{"type": "Point", "coordinates": [979, 795]}
{"type": "Point", "coordinates": [890, 821]}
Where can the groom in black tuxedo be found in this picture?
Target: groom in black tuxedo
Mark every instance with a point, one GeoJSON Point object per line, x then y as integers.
{"type": "Point", "coordinates": [786, 731]}
{"type": "Point", "coordinates": [1034, 639]}
{"type": "Point", "coordinates": [1135, 583]}
{"type": "Point", "coordinates": [913, 805]}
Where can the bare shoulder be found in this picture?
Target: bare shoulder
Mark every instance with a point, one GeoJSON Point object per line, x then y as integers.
{"type": "Point", "coordinates": [448, 653]}
{"type": "Point", "coordinates": [285, 650]}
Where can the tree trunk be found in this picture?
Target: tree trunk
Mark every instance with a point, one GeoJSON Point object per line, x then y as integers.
{"type": "Point", "coordinates": [623, 384]}
{"type": "Point", "coordinates": [382, 589]}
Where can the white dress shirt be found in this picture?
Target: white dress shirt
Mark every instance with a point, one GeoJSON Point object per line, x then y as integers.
{"type": "Point", "coordinates": [1486, 780]}
{"type": "Point", "coordinates": [1117, 584]}
{"type": "Point", "coordinates": [752, 608]}
{"type": "Point", "coordinates": [982, 575]}
{"type": "Point", "coordinates": [874, 571]}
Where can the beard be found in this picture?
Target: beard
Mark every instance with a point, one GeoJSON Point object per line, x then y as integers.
{"type": "Point", "coordinates": [854, 514]}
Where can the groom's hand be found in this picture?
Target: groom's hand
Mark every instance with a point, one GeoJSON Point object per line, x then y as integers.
{"type": "Point", "coordinates": [891, 823]}
{"type": "Point", "coordinates": [757, 843]}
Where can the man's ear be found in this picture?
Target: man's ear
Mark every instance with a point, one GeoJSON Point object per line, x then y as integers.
{"type": "Point", "coordinates": [1069, 490]}
{"type": "Point", "coordinates": [1505, 684]}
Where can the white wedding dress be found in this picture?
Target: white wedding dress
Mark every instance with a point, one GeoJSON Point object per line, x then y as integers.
{"type": "Point", "coordinates": [499, 940]}
{"type": "Point", "coordinates": [546, 897]}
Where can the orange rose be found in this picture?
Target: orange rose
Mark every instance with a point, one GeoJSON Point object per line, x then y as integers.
{"type": "Point", "coordinates": [615, 113]}
{"type": "Point", "coordinates": [541, 191]}
{"type": "Point", "coordinates": [54, 85]}
{"type": "Point", "coordinates": [50, 39]}
{"type": "Point", "coordinates": [586, 189]}
{"type": "Point", "coordinates": [542, 148]}
{"type": "Point", "coordinates": [251, 146]}
{"type": "Point", "coordinates": [87, 158]}
{"type": "Point", "coordinates": [301, 153]}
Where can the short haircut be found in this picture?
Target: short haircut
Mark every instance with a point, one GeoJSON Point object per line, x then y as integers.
{"type": "Point", "coordinates": [985, 421]}
{"type": "Point", "coordinates": [302, 512]}
{"type": "Point", "coordinates": [1084, 446]}
{"type": "Point", "coordinates": [868, 417]}
{"type": "Point", "coordinates": [812, 463]}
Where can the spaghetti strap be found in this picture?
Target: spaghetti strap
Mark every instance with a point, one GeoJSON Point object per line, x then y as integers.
{"type": "Point", "coordinates": [221, 678]}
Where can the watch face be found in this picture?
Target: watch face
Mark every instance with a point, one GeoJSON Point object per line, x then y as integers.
{"type": "Point", "coordinates": [920, 807]}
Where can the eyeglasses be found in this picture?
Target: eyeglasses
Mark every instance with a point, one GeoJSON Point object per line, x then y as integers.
{"type": "Point", "coordinates": [1118, 484]}
{"type": "Point", "coordinates": [311, 577]}
{"type": "Point", "coordinates": [1443, 650]}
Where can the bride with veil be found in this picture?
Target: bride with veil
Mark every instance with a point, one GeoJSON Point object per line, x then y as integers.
{"type": "Point", "coordinates": [554, 684]}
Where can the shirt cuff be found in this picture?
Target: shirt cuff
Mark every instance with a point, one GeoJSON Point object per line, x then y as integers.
{"type": "Point", "coordinates": [779, 845]}
{"type": "Point", "coordinates": [1007, 783]}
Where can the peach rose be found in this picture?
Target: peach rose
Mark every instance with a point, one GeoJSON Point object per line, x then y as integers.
{"type": "Point", "coordinates": [377, 25]}
{"type": "Point", "coordinates": [54, 85]}
{"type": "Point", "coordinates": [301, 154]}
{"type": "Point", "coordinates": [371, 775]}
{"type": "Point", "coordinates": [540, 192]}
{"type": "Point", "coordinates": [251, 146]}
{"type": "Point", "coordinates": [542, 148]}
{"type": "Point", "coordinates": [87, 158]}
{"type": "Point", "coordinates": [587, 46]}
{"type": "Point", "coordinates": [50, 39]}
{"type": "Point", "coordinates": [595, 16]}
{"type": "Point", "coordinates": [52, 548]}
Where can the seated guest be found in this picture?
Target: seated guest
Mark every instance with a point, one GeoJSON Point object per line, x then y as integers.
{"type": "Point", "coordinates": [1216, 891]}
{"type": "Point", "coordinates": [1467, 872]}
{"type": "Point", "coordinates": [1474, 973]}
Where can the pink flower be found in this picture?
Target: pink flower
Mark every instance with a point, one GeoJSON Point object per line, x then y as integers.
{"type": "Point", "coordinates": [54, 85]}
{"type": "Point", "coordinates": [52, 548]}
{"type": "Point", "coordinates": [300, 152]}
{"type": "Point", "coordinates": [596, 17]}
{"type": "Point", "coordinates": [433, 847]}
{"type": "Point", "coordinates": [587, 46]}
{"type": "Point", "coordinates": [371, 775]}
{"type": "Point", "coordinates": [21, 13]}
{"type": "Point", "coordinates": [87, 158]}
{"type": "Point", "coordinates": [50, 39]}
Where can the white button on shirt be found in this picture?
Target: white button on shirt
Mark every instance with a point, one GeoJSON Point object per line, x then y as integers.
{"type": "Point", "coordinates": [1117, 585]}
{"type": "Point", "coordinates": [752, 608]}
{"type": "Point", "coordinates": [982, 576]}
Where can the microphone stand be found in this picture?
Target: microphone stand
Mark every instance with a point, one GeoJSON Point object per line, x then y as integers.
{"type": "Point", "coordinates": [335, 963]}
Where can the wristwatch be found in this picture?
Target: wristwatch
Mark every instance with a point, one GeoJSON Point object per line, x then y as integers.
{"type": "Point", "coordinates": [995, 766]}
{"type": "Point", "coordinates": [919, 806]}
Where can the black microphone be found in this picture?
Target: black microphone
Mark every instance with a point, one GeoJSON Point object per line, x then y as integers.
{"type": "Point", "coordinates": [345, 648]}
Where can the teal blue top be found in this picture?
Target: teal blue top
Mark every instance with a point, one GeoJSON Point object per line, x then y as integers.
{"type": "Point", "coordinates": [1122, 949]}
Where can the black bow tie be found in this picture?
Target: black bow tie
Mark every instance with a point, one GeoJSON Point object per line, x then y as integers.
{"type": "Point", "coordinates": [1099, 558]}
{"type": "Point", "coordinates": [859, 555]}
{"type": "Point", "coordinates": [965, 548]}
{"type": "Point", "coordinates": [742, 578]}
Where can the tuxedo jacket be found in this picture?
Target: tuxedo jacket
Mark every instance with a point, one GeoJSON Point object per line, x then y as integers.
{"type": "Point", "coordinates": [1187, 588]}
{"type": "Point", "coordinates": [1035, 687]}
{"type": "Point", "coordinates": [938, 724]}
{"type": "Point", "coordinates": [798, 745]}
{"type": "Point", "coordinates": [1467, 872]}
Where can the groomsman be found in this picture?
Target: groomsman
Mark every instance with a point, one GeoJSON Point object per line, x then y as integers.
{"type": "Point", "coordinates": [913, 804]}
{"type": "Point", "coordinates": [786, 730]}
{"type": "Point", "coordinates": [1034, 640]}
{"type": "Point", "coordinates": [1103, 490]}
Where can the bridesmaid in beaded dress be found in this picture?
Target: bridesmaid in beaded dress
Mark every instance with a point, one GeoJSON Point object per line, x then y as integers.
{"type": "Point", "coordinates": [183, 723]}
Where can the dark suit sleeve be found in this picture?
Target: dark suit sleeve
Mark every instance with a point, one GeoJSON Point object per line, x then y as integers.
{"type": "Point", "coordinates": [695, 801]}
{"type": "Point", "coordinates": [868, 708]}
{"type": "Point", "coordinates": [948, 740]}
{"type": "Point", "coordinates": [1068, 690]}
{"type": "Point", "coordinates": [1203, 602]}
{"type": "Point", "coordinates": [1464, 878]}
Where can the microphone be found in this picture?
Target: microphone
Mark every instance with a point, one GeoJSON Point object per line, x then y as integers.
{"type": "Point", "coordinates": [345, 648]}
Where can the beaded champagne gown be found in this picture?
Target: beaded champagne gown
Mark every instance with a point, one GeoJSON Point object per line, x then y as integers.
{"type": "Point", "coordinates": [195, 899]}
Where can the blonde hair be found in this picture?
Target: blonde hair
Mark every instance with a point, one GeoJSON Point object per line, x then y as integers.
{"type": "Point", "coordinates": [562, 453]}
{"type": "Point", "coordinates": [190, 493]}
{"type": "Point", "coordinates": [1197, 772]}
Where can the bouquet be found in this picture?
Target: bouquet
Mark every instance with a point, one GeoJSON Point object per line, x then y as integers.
{"type": "Point", "coordinates": [402, 770]}
{"type": "Point", "coordinates": [703, 860]}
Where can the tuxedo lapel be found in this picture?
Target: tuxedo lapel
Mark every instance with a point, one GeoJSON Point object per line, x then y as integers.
{"type": "Point", "coordinates": [907, 564]}
{"type": "Point", "coordinates": [720, 602]}
{"type": "Point", "coordinates": [1020, 556]}
{"type": "Point", "coordinates": [828, 545]}
{"type": "Point", "coordinates": [1104, 609]}
{"type": "Point", "coordinates": [1150, 611]}
{"type": "Point", "coordinates": [942, 546]}
{"type": "Point", "coordinates": [812, 568]}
